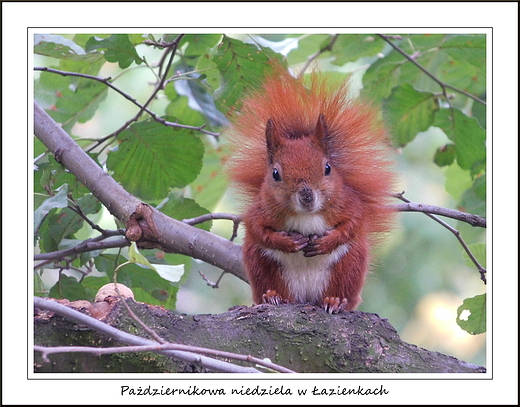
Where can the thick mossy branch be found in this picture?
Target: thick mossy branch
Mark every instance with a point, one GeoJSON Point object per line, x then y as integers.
{"type": "Point", "coordinates": [302, 338]}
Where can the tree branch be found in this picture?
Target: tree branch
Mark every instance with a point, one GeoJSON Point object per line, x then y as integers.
{"type": "Point", "coordinates": [303, 337]}
{"type": "Point", "coordinates": [473, 220]}
{"type": "Point", "coordinates": [170, 235]}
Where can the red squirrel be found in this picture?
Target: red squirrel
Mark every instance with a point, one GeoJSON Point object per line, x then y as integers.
{"type": "Point", "coordinates": [314, 167]}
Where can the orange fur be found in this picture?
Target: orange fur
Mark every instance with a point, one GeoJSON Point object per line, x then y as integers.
{"type": "Point", "coordinates": [315, 171]}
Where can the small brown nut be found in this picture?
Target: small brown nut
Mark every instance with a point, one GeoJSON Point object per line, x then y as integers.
{"type": "Point", "coordinates": [99, 310]}
{"type": "Point", "coordinates": [109, 290]}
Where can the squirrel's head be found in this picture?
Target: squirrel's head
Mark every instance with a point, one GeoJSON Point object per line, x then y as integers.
{"type": "Point", "coordinates": [299, 171]}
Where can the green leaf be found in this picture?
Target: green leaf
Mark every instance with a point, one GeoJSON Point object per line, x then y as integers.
{"type": "Point", "coordinates": [136, 39]}
{"type": "Point", "coordinates": [381, 77]}
{"type": "Point", "coordinates": [199, 96]}
{"type": "Point", "coordinates": [467, 134]}
{"type": "Point", "coordinates": [470, 48]}
{"type": "Point", "coordinates": [81, 104]}
{"type": "Point", "coordinates": [89, 204]}
{"type": "Point", "coordinates": [445, 155]}
{"type": "Point", "coordinates": [457, 180]}
{"type": "Point", "coordinates": [463, 75]}
{"type": "Point", "coordinates": [180, 208]}
{"type": "Point", "coordinates": [212, 182]}
{"type": "Point", "coordinates": [152, 158]}
{"type": "Point", "coordinates": [68, 101]}
{"type": "Point", "coordinates": [443, 56]}
{"type": "Point", "coordinates": [38, 285]}
{"type": "Point", "coordinates": [167, 297]}
{"type": "Point", "coordinates": [48, 88]}
{"type": "Point", "coordinates": [242, 66]}
{"type": "Point", "coordinates": [474, 199]}
{"type": "Point", "coordinates": [91, 68]}
{"type": "Point", "coordinates": [64, 223]}
{"type": "Point", "coordinates": [118, 48]}
{"type": "Point", "coordinates": [409, 112]}
{"type": "Point", "coordinates": [207, 67]}
{"type": "Point", "coordinates": [135, 257]}
{"type": "Point", "coordinates": [425, 50]}
{"type": "Point", "coordinates": [307, 45]}
{"type": "Point", "coordinates": [57, 231]}
{"type": "Point", "coordinates": [471, 315]}
{"type": "Point", "coordinates": [351, 47]}
{"type": "Point", "coordinates": [199, 43]}
{"type": "Point", "coordinates": [57, 201]}
{"type": "Point", "coordinates": [131, 275]}
{"type": "Point", "coordinates": [180, 107]}
{"type": "Point", "coordinates": [82, 39]}
{"type": "Point", "coordinates": [69, 288]}
{"type": "Point", "coordinates": [146, 284]}
{"type": "Point", "coordinates": [55, 174]}
{"type": "Point", "coordinates": [172, 273]}
{"type": "Point", "coordinates": [478, 111]}
{"type": "Point", "coordinates": [57, 226]}
{"type": "Point", "coordinates": [57, 46]}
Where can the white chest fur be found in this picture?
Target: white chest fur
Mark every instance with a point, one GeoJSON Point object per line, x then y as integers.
{"type": "Point", "coordinates": [307, 277]}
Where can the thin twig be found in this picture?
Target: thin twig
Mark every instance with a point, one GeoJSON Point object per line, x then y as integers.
{"type": "Point", "coordinates": [107, 82]}
{"type": "Point", "coordinates": [481, 269]}
{"type": "Point", "coordinates": [318, 53]}
{"type": "Point", "coordinates": [211, 283]}
{"type": "Point", "coordinates": [88, 245]}
{"type": "Point", "coordinates": [76, 208]}
{"type": "Point", "coordinates": [124, 337]}
{"type": "Point", "coordinates": [68, 266]}
{"type": "Point", "coordinates": [146, 328]}
{"type": "Point", "coordinates": [443, 85]}
{"type": "Point", "coordinates": [173, 49]}
{"type": "Point", "coordinates": [45, 350]}
{"type": "Point", "coordinates": [212, 216]}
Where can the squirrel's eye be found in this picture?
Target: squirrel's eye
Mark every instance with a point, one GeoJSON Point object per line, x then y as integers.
{"type": "Point", "coordinates": [327, 169]}
{"type": "Point", "coordinates": [276, 175]}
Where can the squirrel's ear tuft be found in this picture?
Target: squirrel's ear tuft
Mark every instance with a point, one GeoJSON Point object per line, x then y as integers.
{"type": "Point", "coordinates": [269, 138]}
{"type": "Point", "coordinates": [321, 133]}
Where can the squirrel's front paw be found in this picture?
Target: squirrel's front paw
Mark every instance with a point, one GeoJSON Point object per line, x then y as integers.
{"type": "Point", "coordinates": [323, 244]}
{"type": "Point", "coordinates": [315, 246]}
{"type": "Point", "coordinates": [333, 305]}
{"type": "Point", "coordinates": [272, 297]}
{"type": "Point", "coordinates": [296, 241]}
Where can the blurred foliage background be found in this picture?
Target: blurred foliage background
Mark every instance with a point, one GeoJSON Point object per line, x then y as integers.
{"type": "Point", "coordinates": [420, 277]}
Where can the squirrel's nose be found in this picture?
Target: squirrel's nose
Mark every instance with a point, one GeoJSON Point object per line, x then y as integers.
{"type": "Point", "coordinates": [306, 196]}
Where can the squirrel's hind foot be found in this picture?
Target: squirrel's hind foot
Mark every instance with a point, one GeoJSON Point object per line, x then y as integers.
{"type": "Point", "coordinates": [272, 297]}
{"type": "Point", "coordinates": [333, 305]}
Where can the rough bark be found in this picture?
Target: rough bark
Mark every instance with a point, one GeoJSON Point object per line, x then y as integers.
{"type": "Point", "coordinates": [303, 338]}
